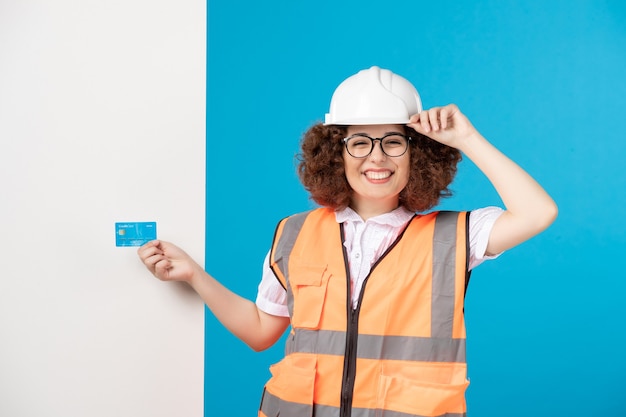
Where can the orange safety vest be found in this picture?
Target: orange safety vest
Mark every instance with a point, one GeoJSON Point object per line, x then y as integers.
{"type": "Point", "coordinates": [401, 352]}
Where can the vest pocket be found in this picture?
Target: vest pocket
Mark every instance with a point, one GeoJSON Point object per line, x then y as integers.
{"type": "Point", "coordinates": [400, 393]}
{"type": "Point", "coordinates": [309, 284]}
{"type": "Point", "coordinates": [290, 390]}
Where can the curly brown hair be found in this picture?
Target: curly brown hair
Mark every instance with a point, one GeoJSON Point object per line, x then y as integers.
{"type": "Point", "coordinates": [321, 169]}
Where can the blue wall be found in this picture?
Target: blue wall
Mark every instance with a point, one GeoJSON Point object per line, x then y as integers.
{"type": "Point", "coordinates": [544, 81]}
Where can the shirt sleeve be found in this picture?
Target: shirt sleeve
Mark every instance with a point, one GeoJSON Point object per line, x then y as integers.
{"type": "Point", "coordinates": [271, 296]}
{"type": "Point", "coordinates": [480, 224]}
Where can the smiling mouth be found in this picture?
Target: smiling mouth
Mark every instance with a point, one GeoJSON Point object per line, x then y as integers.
{"type": "Point", "coordinates": [378, 175]}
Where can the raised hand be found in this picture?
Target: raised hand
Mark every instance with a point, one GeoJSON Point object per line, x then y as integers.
{"type": "Point", "coordinates": [445, 124]}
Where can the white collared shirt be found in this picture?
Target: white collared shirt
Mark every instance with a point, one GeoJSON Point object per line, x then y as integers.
{"type": "Point", "coordinates": [366, 241]}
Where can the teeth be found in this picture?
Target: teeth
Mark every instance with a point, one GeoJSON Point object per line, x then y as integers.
{"type": "Point", "coordinates": [377, 175]}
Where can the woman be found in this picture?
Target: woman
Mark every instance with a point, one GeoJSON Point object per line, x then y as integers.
{"type": "Point", "coordinates": [373, 291]}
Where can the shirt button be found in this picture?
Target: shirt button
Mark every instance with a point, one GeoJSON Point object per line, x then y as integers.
{"type": "Point", "coordinates": [357, 255]}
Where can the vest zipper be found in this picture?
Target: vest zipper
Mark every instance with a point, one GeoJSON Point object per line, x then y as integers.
{"type": "Point", "coordinates": [349, 363]}
{"type": "Point", "coordinates": [352, 331]}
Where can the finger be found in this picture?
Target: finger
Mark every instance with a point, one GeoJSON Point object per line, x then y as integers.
{"type": "Point", "coordinates": [443, 117]}
{"type": "Point", "coordinates": [425, 121]}
{"type": "Point", "coordinates": [434, 118]}
{"type": "Point", "coordinates": [152, 261]}
{"type": "Point", "coordinates": [414, 119]}
{"type": "Point", "coordinates": [451, 111]}
{"type": "Point", "coordinates": [148, 246]}
{"type": "Point", "coordinates": [162, 267]}
{"type": "Point", "coordinates": [149, 252]}
{"type": "Point", "coordinates": [414, 123]}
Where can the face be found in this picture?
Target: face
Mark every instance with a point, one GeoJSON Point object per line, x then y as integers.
{"type": "Point", "coordinates": [376, 179]}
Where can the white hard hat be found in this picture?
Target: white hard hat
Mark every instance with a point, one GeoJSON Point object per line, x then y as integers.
{"type": "Point", "coordinates": [373, 96]}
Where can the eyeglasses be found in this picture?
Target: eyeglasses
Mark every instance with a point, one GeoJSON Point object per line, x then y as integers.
{"type": "Point", "coordinates": [392, 144]}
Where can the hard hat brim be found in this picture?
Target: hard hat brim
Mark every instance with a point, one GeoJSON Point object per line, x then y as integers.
{"type": "Point", "coordinates": [365, 121]}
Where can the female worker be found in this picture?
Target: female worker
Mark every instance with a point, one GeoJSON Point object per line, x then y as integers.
{"type": "Point", "coordinates": [372, 284]}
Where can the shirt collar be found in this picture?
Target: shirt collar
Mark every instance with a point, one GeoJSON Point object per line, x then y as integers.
{"type": "Point", "coordinates": [394, 218]}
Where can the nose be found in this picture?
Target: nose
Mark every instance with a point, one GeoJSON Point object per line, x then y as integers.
{"type": "Point", "coordinates": [377, 153]}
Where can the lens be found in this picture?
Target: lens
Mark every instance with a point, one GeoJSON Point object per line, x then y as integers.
{"type": "Point", "coordinates": [359, 146]}
{"type": "Point", "coordinates": [394, 145]}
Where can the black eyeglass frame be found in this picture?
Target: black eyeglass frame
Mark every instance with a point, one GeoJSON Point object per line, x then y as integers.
{"type": "Point", "coordinates": [362, 135]}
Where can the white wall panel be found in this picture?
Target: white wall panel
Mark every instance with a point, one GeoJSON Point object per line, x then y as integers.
{"type": "Point", "coordinates": [102, 119]}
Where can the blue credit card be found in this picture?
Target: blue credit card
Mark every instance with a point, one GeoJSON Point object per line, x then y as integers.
{"type": "Point", "coordinates": [134, 233]}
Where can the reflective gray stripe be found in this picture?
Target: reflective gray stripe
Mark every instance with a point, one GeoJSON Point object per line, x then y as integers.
{"type": "Point", "coordinates": [327, 342]}
{"type": "Point", "coordinates": [411, 348]}
{"type": "Point", "coordinates": [273, 406]}
{"type": "Point", "coordinates": [444, 266]}
{"type": "Point", "coordinates": [330, 342]}
{"type": "Point", "coordinates": [270, 404]}
{"type": "Point", "coordinates": [365, 412]}
{"type": "Point", "coordinates": [285, 244]}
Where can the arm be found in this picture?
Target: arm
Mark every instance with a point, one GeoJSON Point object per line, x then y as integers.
{"type": "Point", "coordinates": [529, 209]}
{"type": "Point", "coordinates": [240, 316]}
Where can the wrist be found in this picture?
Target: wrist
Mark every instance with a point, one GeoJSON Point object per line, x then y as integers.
{"type": "Point", "coordinates": [196, 276]}
{"type": "Point", "coordinates": [471, 142]}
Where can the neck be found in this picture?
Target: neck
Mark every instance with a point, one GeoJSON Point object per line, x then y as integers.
{"type": "Point", "coordinates": [367, 210]}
